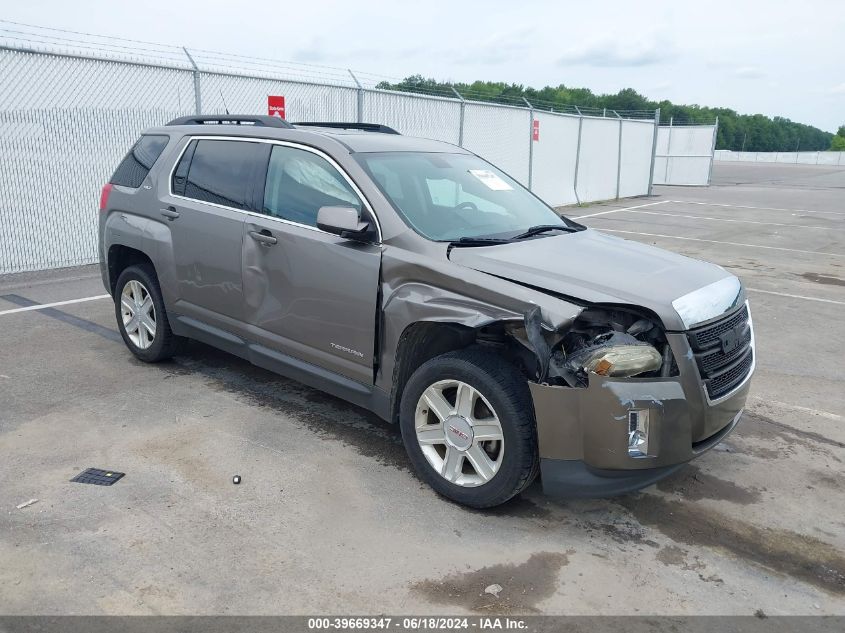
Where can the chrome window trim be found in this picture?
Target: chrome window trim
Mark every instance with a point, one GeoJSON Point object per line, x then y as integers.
{"type": "Point", "coordinates": [320, 153]}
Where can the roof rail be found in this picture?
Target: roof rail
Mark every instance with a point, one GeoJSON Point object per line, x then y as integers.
{"type": "Point", "coordinates": [366, 127]}
{"type": "Point", "coordinates": [231, 119]}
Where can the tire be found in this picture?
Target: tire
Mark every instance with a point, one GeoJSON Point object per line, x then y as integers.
{"type": "Point", "coordinates": [501, 392]}
{"type": "Point", "coordinates": [150, 348]}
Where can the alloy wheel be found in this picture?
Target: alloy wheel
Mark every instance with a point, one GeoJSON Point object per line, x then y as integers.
{"type": "Point", "coordinates": [459, 433]}
{"type": "Point", "coordinates": [138, 314]}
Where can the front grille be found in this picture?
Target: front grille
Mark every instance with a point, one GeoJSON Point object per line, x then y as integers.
{"type": "Point", "coordinates": [713, 359]}
{"type": "Point", "coordinates": [723, 352]}
{"type": "Point", "coordinates": [708, 335]}
{"type": "Point", "coordinates": [723, 383]}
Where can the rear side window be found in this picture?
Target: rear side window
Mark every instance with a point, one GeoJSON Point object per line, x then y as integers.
{"type": "Point", "coordinates": [138, 162]}
{"type": "Point", "coordinates": [300, 182]}
{"type": "Point", "coordinates": [219, 172]}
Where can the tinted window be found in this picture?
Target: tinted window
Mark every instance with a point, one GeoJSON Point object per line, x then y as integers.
{"type": "Point", "coordinates": [300, 182]}
{"type": "Point", "coordinates": [220, 172]}
{"type": "Point", "coordinates": [138, 162]}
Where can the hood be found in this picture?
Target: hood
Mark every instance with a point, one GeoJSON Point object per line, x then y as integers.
{"type": "Point", "coordinates": [598, 268]}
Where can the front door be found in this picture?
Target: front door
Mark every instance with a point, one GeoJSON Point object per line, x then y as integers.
{"type": "Point", "coordinates": [307, 293]}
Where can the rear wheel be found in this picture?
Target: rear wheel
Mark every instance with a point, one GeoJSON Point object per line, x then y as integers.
{"type": "Point", "coordinates": [468, 425]}
{"type": "Point", "coordinates": [141, 317]}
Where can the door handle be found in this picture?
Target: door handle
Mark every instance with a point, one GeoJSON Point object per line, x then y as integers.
{"type": "Point", "coordinates": [264, 237]}
{"type": "Point", "coordinates": [170, 213]}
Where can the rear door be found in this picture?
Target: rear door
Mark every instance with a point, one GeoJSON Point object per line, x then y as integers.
{"type": "Point", "coordinates": [310, 294]}
{"type": "Point", "coordinates": [211, 187]}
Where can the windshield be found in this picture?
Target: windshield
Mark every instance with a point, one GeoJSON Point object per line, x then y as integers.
{"type": "Point", "coordinates": [449, 197]}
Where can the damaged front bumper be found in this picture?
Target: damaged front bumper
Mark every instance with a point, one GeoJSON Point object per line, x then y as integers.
{"type": "Point", "coordinates": [585, 434]}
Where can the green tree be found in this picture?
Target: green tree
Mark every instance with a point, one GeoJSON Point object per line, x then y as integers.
{"type": "Point", "coordinates": [752, 132]}
{"type": "Point", "coordinates": [837, 143]}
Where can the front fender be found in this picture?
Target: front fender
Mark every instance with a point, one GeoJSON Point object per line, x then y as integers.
{"type": "Point", "coordinates": [417, 288]}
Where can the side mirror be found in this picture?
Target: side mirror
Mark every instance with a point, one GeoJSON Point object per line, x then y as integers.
{"type": "Point", "coordinates": [343, 221]}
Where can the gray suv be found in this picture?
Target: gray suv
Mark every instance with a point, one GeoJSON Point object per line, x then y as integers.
{"type": "Point", "coordinates": [414, 279]}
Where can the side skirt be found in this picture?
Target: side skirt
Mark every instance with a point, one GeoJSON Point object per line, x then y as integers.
{"type": "Point", "coordinates": [367, 396]}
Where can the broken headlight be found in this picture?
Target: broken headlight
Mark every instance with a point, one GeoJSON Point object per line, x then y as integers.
{"type": "Point", "coordinates": [616, 354]}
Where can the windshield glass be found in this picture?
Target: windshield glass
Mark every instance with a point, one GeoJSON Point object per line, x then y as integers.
{"type": "Point", "coordinates": [447, 197]}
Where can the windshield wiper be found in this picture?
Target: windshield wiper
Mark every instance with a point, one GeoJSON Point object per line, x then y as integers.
{"type": "Point", "coordinates": [543, 228]}
{"type": "Point", "coordinates": [478, 241]}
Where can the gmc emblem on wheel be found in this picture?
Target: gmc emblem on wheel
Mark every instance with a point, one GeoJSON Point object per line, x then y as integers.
{"type": "Point", "coordinates": [458, 432]}
{"type": "Point", "coordinates": [731, 339]}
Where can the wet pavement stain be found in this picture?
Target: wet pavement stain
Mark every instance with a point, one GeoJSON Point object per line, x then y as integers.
{"type": "Point", "coordinates": [760, 426]}
{"type": "Point", "coordinates": [692, 484]}
{"type": "Point", "coordinates": [833, 480]}
{"type": "Point", "coordinates": [677, 557]}
{"type": "Point", "coordinates": [528, 505]}
{"type": "Point", "coordinates": [799, 556]}
{"type": "Point", "coordinates": [523, 585]}
{"type": "Point", "coordinates": [622, 532]}
{"type": "Point", "coordinates": [326, 416]}
{"type": "Point", "coordinates": [742, 445]}
{"type": "Point", "coordinates": [827, 280]}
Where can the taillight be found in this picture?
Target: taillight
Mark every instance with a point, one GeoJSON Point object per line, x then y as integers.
{"type": "Point", "coordinates": [104, 195]}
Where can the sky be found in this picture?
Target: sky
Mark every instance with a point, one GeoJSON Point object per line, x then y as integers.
{"type": "Point", "coordinates": [763, 56]}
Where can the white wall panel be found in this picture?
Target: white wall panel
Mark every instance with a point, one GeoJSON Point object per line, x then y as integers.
{"type": "Point", "coordinates": [433, 118]}
{"type": "Point", "coordinates": [637, 138]}
{"type": "Point", "coordinates": [684, 154]}
{"type": "Point", "coordinates": [500, 135]}
{"type": "Point", "coordinates": [598, 162]}
{"type": "Point", "coordinates": [554, 159]}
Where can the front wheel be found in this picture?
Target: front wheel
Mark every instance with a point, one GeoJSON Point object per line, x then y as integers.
{"type": "Point", "coordinates": [467, 422]}
{"type": "Point", "coordinates": [141, 317]}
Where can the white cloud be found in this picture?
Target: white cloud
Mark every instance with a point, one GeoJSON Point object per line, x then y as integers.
{"type": "Point", "coordinates": [837, 90]}
{"type": "Point", "coordinates": [620, 51]}
{"type": "Point", "coordinates": [749, 72]}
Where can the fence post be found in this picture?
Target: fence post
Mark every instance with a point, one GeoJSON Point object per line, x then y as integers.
{"type": "Point", "coordinates": [668, 151]}
{"type": "Point", "coordinates": [197, 92]}
{"type": "Point", "coordinates": [618, 155]}
{"type": "Point", "coordinates": [530, 142]}
{"type": "Point", "coordinates": [360, 96]}
{"type": "Point", "coordinates": [578, 155]}
{"type": "Point", "coordinates": [461, 122]}
{"type": "Point", "coordinates": [653, 151]}
{"type": "Point", "coordinates": [712, 151]}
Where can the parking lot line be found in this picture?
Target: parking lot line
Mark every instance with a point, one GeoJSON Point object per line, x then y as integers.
{"type": "Point", "coordinates": [745, 206]}
{"type": "Point", "coordinates": [639, 206]}
{"type": "Point", "coordinates": [698, 239]}
{"type": "Point", "coordinates": [42, 306]}
{"type": "Point", "coordinates": [702, 217]}
{"type": "Point", "coordinates": [805, 298]}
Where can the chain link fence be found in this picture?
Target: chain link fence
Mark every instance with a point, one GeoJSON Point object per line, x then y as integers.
{"type": "Point", "coordinates": [833, 159]}
{"type": "Point", "coordinates": [684, 154]}
{"type": "Point", "coordinates": [67, 117]}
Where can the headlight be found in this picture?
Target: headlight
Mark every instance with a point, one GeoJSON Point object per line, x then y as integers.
{"type": "Point", "coordinates": [622, 360]}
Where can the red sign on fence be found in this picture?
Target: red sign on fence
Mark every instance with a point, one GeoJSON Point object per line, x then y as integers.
{"type": "Point", "coordinates": [536, 131]}
{"type": "Point", "coordinates": [276, 106]}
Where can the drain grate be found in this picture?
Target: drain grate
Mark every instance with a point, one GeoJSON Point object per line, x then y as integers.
{"type": "Point", "coordinates": [97, 477]}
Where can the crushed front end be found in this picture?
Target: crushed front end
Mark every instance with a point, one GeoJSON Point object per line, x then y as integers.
{"type": "Point", "coordinates": [621, 403]}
